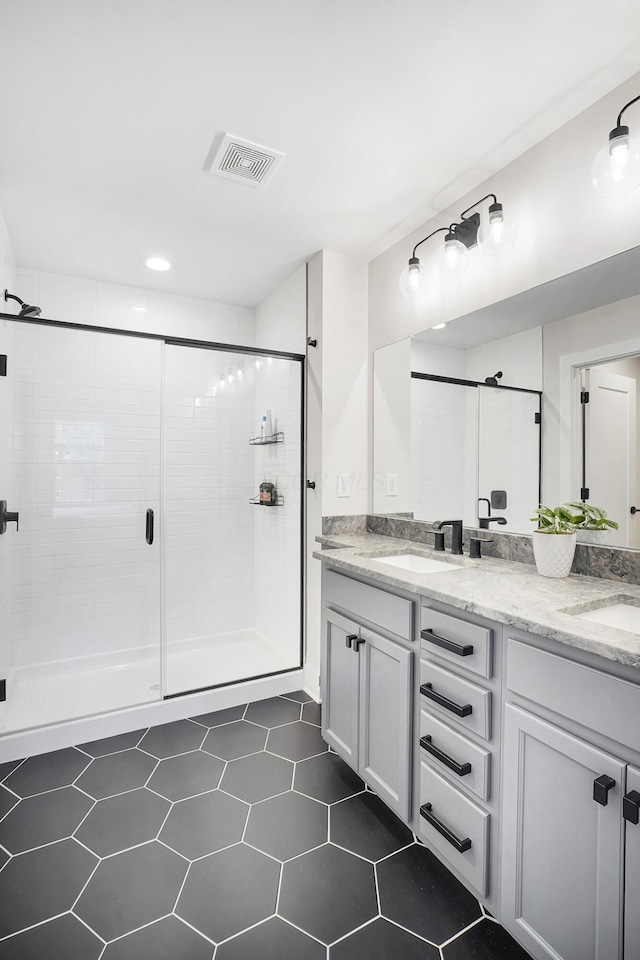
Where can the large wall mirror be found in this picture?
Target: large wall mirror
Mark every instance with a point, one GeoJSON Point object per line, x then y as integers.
{"type": "Point", "coordinates": [484, 418]}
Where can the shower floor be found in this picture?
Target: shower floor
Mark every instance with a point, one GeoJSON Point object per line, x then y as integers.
{"type": "Point", "coordinates": [67, 689]}
{"type": "Point", "coordinates": [225, 658]}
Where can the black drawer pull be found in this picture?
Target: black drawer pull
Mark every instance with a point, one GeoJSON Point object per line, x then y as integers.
{"type": "Point", "coordinates": [601, 787]}
{"type": "Point", "coordinates": [462, 769]}
{"type": "Point", "coordinates": [462, 649]}
{"type": "Point", "coordinates": [461, 845]}
{"type": "Point", "coordinates": [350, 638]}
{"type": "Point", "coordinates": [431, 694]}
{"type": "Point", "coordinates": [631, 806]}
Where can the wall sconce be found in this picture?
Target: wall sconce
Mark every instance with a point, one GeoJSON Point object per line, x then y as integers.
{"type": "Point", "coordinates": [616, 168]}
{"type": "Point", "coordinates": [495, 234]}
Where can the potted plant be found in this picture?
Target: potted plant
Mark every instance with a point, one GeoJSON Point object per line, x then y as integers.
{"type": "Point", "coordinates": [595, 525]}
{"type": "Point", "coordinates": [554, 542]}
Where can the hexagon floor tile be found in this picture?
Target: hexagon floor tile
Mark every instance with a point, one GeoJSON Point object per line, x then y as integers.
{"type": "Point", "coordinates": [328, 893]}
{"type": "Point", "coordinates": [229, 892]}
{"type": "Point", "coordinates": [270, 849]}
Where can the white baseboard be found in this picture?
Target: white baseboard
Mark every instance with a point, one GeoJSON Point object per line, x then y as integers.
{"type": "Point", "coordinates": [29, 743]}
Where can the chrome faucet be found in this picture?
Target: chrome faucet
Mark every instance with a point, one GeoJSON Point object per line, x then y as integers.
{"type": "Point", "coordinates": [456, 533]}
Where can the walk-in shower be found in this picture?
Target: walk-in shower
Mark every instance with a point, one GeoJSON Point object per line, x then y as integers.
{"type": "Point", "coordinates": [143, 568]}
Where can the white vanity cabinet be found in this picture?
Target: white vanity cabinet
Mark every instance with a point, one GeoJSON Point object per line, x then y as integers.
{"type": "Point", "coordinates": [570, 846]}
{"type": "Point", "coordinates": [367, 681]}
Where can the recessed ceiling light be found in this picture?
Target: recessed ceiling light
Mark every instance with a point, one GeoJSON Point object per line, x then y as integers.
{"type": "Point", "coordinates": [157, 263]}
{"type": "Point", "coordinates": [439, 326]}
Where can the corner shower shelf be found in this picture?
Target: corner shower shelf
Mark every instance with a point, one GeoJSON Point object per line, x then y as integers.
{"type": "Point", "coordinates": [263, 441]}
{"type": "Point", "coordinates": [279, 502]}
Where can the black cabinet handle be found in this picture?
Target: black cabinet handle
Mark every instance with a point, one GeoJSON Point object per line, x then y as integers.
{"type": "Point", "coordinates": [633, 510]}
{"type": "Point", "coordinates": [461, 845]}
{"type": "Point", "coordinates": [350, 638]}
{"type": "Point", "coordinates": [601, 787]}
{"type": "Point", "coordinates": [631, 806]}
{"type": "Point", "coordinates": [460, 711]}
{"type": "Point", "coordinates": [462, 769]}
{"type": "Point", "coordinates": [358, 643]}
{"type": "Point", "coordinates": [149, 529]}
{"type": "Point", "coordinates": [462, 649]}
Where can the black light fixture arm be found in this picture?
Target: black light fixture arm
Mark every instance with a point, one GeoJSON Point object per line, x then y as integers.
{"type": "Point", "coordinates": [439, 230]}
{"type": "Point", "coordinates": [489, 196]}
{"type": "Point", "coordinates": [626, 106]}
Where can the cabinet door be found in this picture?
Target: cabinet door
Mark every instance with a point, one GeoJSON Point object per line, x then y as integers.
{"type": "Point", "coordinates": [561, 851]}
{"type": "Point", "coordinates": [385, 719]}
{"type": "Point", "coordinates": [340, 663]}
{"type": "Point", "coordinates": [632, 876]}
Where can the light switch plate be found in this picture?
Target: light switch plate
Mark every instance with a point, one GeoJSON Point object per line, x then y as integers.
{"type": "Point", "coordinates": [392, 484]}
{"type": "Point", "coordinates": [344, 484]}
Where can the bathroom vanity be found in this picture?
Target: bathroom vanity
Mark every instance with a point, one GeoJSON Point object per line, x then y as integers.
{"type": "Point", "coordinates": [501, 725]}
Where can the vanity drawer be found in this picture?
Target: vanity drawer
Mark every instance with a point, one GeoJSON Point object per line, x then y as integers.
{"type": "Point", "coordinates": [592, 698]}
{"type": "Point", "coordinates": [458, 701]}
{"type": "Point", "coordinates": [464, 763]}
{"type": "Point", "coordinates": [468, 645]}
{"type": "Point", "coordinates": [383, 609]}
{"type": "Point", "coordinates": [461, 830]}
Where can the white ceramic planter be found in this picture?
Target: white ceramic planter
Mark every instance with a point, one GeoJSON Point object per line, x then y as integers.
{"type": "Point", "coordinates": [553, 553]}
{"type": "Point", "coordinates": [593, 536]}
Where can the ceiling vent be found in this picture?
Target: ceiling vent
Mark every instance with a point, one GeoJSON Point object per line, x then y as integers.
{"type": "Point", "coordinates": [244, 161]}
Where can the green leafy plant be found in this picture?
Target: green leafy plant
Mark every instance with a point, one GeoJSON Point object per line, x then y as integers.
{"type": "Point", "coordinates": [571, 517]}
{"type": "Point", "coordinates": [562, 519]}
{"type": "Point", "coordinates": [594, 518]}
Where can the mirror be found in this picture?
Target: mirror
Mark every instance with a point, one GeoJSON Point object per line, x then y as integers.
{"type": "Point", "coordinates": [449, 444]}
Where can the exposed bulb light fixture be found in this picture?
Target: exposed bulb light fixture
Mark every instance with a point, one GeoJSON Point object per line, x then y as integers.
{"type": "Point", "coordinates": [494, 233]}
{"type": "Point", "coordinates": [157, 263]}
{"type": "Point", "coordinates": [616, 168]}
{"type": "Point", "coordinates": [258, 364]}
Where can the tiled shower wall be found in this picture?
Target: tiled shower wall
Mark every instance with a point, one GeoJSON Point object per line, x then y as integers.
{"type": "Point", "coordinates": [7, 277]}
{"type": "Point", "coordinates": [209, 473]}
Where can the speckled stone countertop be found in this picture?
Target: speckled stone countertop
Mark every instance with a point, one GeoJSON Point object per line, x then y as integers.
{"type": "Point", "coordinates": [511, 593]}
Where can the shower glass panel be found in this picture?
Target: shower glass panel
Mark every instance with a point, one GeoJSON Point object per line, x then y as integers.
{"type": "Point", "coordinates": [232, 569]}
{"type": "Point", "coordinates": [80, 597]}
{"type": "Point", "coordinates": [509, 453]}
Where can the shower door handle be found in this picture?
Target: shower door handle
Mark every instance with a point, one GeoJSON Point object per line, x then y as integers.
{"type": "Point", "coordinates": [149, 530]}
{"type": "Point", "coordinates": [7, 516]}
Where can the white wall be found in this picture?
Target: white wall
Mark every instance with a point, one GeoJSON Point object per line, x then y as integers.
{"type": "Point", "coordinates": [392, 404]}
{"type": "Point", "coordinates": [7, 281]}
{"type": "Point", "coordinates": [280, 325]}
{"type": "Point", "coordinates": [78, 300]}
{"type": "Point", "coordinates": [563, 225]}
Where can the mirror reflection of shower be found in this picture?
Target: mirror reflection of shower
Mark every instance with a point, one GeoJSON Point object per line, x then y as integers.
{"type": "Point", "coordinates": [26, 309]}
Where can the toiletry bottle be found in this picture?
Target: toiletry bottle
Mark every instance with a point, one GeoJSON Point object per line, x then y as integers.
{"type": "Point", "coordinates": [268, 424]}
{"type": "Point", "coordinates": [267, 494]}
{"type": "Point", "coordinates": [263, 428]}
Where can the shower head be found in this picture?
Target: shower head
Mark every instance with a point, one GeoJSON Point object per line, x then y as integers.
{"type": "Point", "coordinates": [493, 381]}
{"type": "Point", "coordinates": [26, 310]}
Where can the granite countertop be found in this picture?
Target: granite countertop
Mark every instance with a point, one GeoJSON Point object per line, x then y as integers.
{"type": "Point", "coordinates": [511, 593]}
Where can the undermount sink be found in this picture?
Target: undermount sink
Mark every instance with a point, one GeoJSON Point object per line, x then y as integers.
{"type": "Point", "coordinates": [620, 612]}
{"type": "Point", "coordinates": [417, 564]}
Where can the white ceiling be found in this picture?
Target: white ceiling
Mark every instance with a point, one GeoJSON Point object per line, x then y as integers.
{"type": "Point", "coordinates": [387, 110]}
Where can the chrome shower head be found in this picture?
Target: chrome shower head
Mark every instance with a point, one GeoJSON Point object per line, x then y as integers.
{"type": "Point", "coordinates": [26, 310]}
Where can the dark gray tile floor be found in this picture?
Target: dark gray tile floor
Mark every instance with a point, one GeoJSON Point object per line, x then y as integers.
{"type": "Point", "coordinates": [234, 835]}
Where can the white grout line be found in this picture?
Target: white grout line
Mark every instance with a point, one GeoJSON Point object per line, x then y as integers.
{"type": "Point", "coordinates": [460, 932]}
{"type": "Point", "coordinates": [418, 936]}
{"type": "Point", "coordinates": [85, 924]}
{"type": "Point", "coordinates": [300, 930]}
{"type": "Point", "coordinates": [33, 926]}
{"type": "Point", "coordinates": [191, 927]}
{"type": "Point", "coordinates": [394, 852]}
{"type": "Point", "coordinates": [377, 886]}
{"type": "Point", "coordinates": [356, 930]}
{"type": "Point", "coordinates": [144, 926]}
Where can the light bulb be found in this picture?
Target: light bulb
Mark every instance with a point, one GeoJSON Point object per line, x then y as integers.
{"type": "Point", "coordinates": [157, 263]}
{"type": "Point", "coordinates": [239, 373]}
{"type": "Point", "coordinates": [258, 364]}
{"type": "Point", "coordinates": [497, 232]}
{"type": "Point", "coordinates": [412, 278]}
{"type": "Point", "coordinates": [230, 378]}
{"type": "Point", "coordinates": [452, 258]}
{"type": "Point", "coordinates": [439, 326]}
{"type": "Point", "coordinates": [616, 168]}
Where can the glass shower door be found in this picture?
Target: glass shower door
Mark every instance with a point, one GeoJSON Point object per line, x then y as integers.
{"type": "Point", "coordinates": [80, 425]}
{"type": "Point", "coordinates": [232, 571]}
